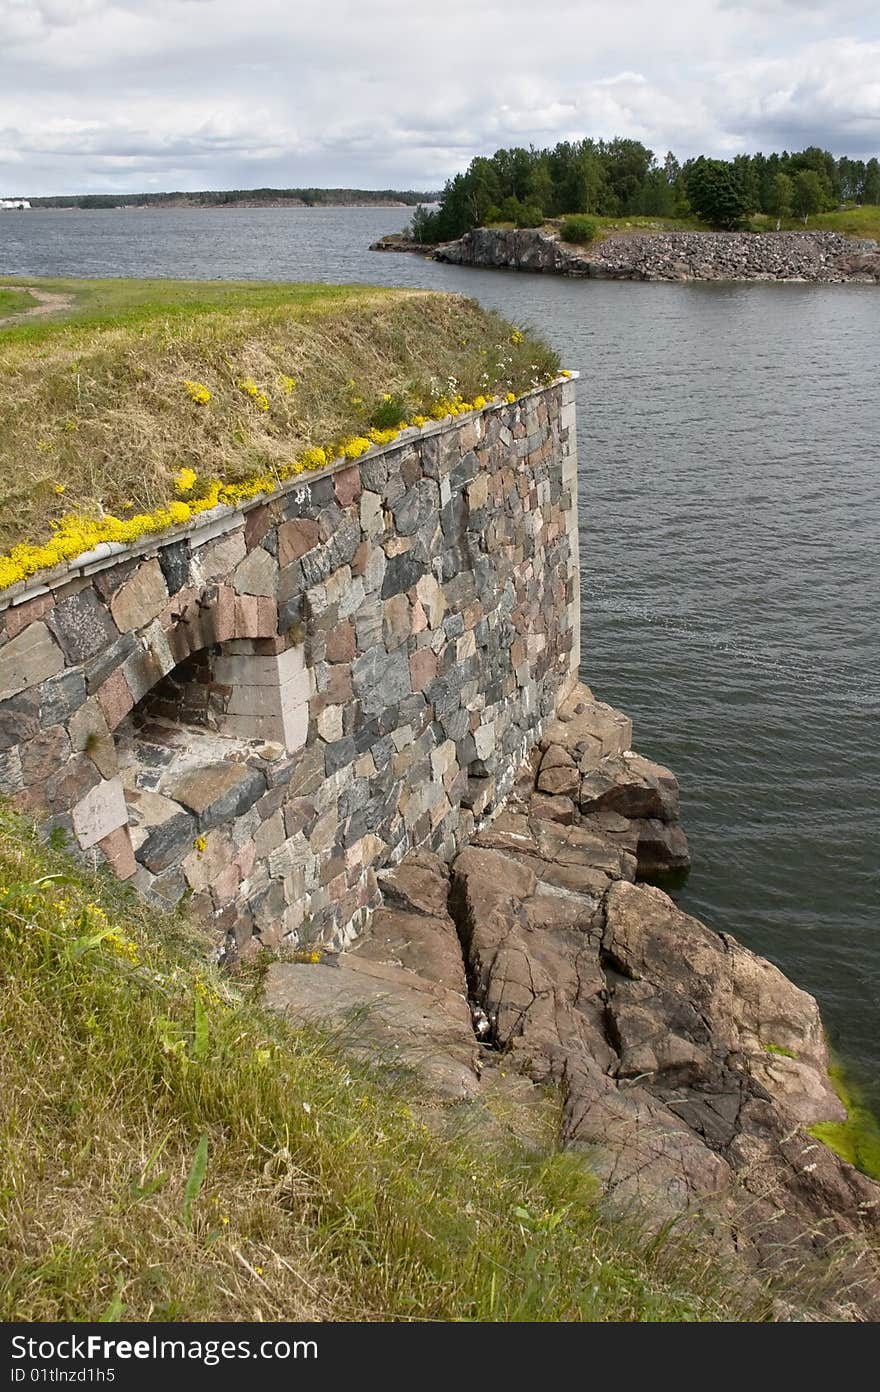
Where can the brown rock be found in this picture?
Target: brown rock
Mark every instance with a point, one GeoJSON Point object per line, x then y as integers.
{"type": "Point", "coordinates": [341, 644]}
{"type": "Point", "coordinates": [19, 616]}
{"type": "Point", "coordinates": [45, 754]}
{"type": "Point", "coordinates": [632, 786]}
{"type": "Point", "coordinates": [423, 668]}
{"type": "Point", "coordinates": [141, 598]}
{"type": "Point", "coordinates": [347, 485]}
{"type": "Point", "coordinates": [559, 781]}
{"type": "Point", "coordinates": [390, 1014]}
{"type": "Point", "coordinates": [556, 809]}
{"type": "Point", "coordinates": [557, 757]}
{"type": "Point", "coordinates": [296, 538]}
{"type": "Point", "coordinates": [118, 851]}
{"type": "Point", "coordinates": [115, 698]}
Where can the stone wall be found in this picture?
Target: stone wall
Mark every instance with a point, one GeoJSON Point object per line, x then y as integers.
{"type": "Point", "coordinates": [268, 707]}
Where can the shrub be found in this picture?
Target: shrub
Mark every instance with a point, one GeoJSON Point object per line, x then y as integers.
{"type": "Point", "coordinates": [511, 210]}
{"type": "Point", "coordinates": [529, 215]}
{"type": "Point", "coordinates": [390, 412]}
{"type": "Point", "coordinates": [578, 229]}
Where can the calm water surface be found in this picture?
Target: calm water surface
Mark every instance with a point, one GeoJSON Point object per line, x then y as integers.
{"type": "Point", "coordinates": [730, 454]}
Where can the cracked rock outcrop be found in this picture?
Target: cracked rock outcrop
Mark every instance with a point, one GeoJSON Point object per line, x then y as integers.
{"type": "Point", "coordinates": [690, 1067]}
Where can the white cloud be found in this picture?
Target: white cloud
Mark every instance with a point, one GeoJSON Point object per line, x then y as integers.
{"type": "Point", "coordinates": [117, 94]}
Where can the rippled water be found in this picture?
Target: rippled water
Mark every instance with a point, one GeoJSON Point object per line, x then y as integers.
{"type": "Point", "coordinates": [730, 456]}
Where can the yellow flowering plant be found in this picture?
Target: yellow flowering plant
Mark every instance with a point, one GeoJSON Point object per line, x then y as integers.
{"type": "Point", "coordinates": [197, 392]}
{"type": "Point", "coordinates": [251, 390]}
{"type": "Point", "coordinates": [185, 480]}
{"type": "Point", "coordinates": [75, 535]}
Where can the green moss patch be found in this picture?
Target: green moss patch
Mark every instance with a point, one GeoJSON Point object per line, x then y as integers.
{"type": "Point", "coordinates": [856, 1140]}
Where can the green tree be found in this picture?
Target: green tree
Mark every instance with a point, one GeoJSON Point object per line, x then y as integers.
{"type": "Point", "coordinates": [657, 198]}
{"type": "Point", "coordinates": [579, 177]}
{"type": "Point", "coordinates": [716, 193]}
{"type": "Point", "coordinates": [779, 198]}
{"type": "Point", "coordinates": [871, 186]}
{"type": "Point", "coordinates": [423, 226]}
{"type": "Point", "coordinates": [627, 164]}
{"type": "Point", "coordinates": [809, 195]}
{"type": "Point", "coordinates": [749, 181]}
{"type": "Point", "coordinates": [540, 189]}
{"type": "Point", "coordinates": [510, 210]}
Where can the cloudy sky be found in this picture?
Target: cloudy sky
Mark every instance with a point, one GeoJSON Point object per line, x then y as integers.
{"type": "Point", "coordinates": [131, 95]}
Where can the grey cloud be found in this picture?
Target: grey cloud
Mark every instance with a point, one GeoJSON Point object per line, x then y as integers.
{"type": "Point", "coordinates": [118, 94]}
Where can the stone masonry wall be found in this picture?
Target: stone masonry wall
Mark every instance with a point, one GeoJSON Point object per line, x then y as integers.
{"type": "Point", "coordinates": [266, 708]}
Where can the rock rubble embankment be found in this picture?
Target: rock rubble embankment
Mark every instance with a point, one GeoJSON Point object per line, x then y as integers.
{"type": "Point", "coordinates": [816, 257]}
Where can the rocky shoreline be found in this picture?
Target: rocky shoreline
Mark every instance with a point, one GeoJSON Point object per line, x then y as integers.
{"type": "Point", "coordinates": [690, 1068]}
{"type": "Point", "coordinates": [811, 257]}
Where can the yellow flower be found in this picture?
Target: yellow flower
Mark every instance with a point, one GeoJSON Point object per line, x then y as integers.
{"type": "Point", "coordinates": [511, 397]}
{"type": "Point", "coordinates": [197, 392]}
{"type": "Point", "coordinates": [314, 458]}
{"type": "Point", "coordinates": [59, 488]}
{"type": "Point", "coordinates": [287, 384]}
{"type": "Point", "coordinates": [355, 447]}
{"type": "Point", "coordinates": [200, 844]}
{"type": "Point", "coordinates": [185, 480]}
{"type": "Point", "coordinates": [120, 946]}
{"type": "Point", "coordinates": [250, 388]}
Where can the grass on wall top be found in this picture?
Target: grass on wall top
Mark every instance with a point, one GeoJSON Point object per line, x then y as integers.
{"type": "Point", "coordinates": [103, 404]}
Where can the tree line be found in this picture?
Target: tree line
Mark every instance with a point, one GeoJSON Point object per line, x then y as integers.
{"type": "Point", "coordinates": [218, 198]}
{"type": "Point", "coordinates": [622, 178]}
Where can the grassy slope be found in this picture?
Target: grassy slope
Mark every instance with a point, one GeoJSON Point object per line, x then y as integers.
{"type": "Point", "coordinates": [14, 301]}
{"type": "Point", "coordinates": [171, 1152]}
{"type": "Point", "coordinates": [851, 222]}
{"type": "Point", "coordinates": [95, 415]}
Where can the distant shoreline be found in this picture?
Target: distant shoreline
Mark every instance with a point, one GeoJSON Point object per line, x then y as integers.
{"type": "Point", "coordinates": [198, 207]}
{"type": "Point", "coordinates": [234, 198]}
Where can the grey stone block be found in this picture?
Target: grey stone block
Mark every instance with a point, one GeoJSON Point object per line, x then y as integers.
{"type": "Point", "coordinates": [82, 626]}
{"type": "Point", "coordinates": [168, 843]}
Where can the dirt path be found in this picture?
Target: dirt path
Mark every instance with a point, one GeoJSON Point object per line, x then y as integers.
{"type": "Point", "coordinates": [49, 303]}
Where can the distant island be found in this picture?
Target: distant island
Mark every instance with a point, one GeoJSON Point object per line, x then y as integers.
{"type": "Point", "coordinates": [242, 198]}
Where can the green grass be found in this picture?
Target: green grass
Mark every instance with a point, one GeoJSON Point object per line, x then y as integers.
{"type": "Point", "coordinates": [856, 1140]}
{"type": "Point", "coordinates": [169, 1151]}
{"type": "Point", "coordinates": [95, 414]}
{"type": "Point", "coordinates": [118, 302]}
{"type": "Point", "coordinates": [608, 226]}
{"type": "Point", "coordinates": [14, 301]}
{"type": "Point", "coordinates": [849, 222]}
